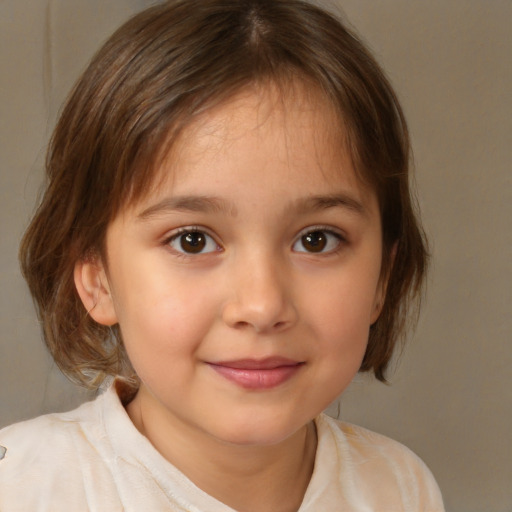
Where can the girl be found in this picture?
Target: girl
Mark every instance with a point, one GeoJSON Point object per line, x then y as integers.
{"type": "Point", "coordinates": [227, 235]}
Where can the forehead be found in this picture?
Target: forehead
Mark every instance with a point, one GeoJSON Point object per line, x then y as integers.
{"type": "Point", "coordinates": [293, 129]}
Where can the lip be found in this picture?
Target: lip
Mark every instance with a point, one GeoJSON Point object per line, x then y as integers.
{"type": "Point", "coordinates": [257, 374]}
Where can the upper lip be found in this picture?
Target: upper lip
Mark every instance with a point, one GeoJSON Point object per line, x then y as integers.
{"type": "Point", "coordinates": [268, 363]}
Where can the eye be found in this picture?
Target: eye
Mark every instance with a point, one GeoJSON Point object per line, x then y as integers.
{"type": "Point", "coordinates": [193, 242]}
{"type": "Point", "coordinates": [317, 241]}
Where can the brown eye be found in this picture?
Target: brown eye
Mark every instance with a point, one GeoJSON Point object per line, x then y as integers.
{"type": "Point", "coordinates": [317, 241]}
{"type": "Point", "coordinates": [193, 242]}
{"type": "Point", "coordinates": [314, 242]}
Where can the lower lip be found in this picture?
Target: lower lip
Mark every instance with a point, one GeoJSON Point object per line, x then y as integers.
{"type": "Point", "coordinates": [257, 378]}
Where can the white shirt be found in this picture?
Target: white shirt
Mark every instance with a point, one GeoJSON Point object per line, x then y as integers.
{"type": "Point", "coordinates": [94, 459]}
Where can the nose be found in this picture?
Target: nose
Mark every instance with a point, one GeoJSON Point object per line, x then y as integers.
{"type": "Point", "coordinates": [260, 296]}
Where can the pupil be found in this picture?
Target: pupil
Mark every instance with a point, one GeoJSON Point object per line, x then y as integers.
{"type": "Point", "coordinates": [315, 241]}
{"type": "Point", "coordinates": [193, 242]}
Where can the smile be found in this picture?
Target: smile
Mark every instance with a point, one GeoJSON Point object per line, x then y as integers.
{"type": "Point", "coordinates": [258, 374]}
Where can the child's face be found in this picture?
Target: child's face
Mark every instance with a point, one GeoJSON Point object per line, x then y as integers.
{"type": "Point", "coordinates": [246, 283]}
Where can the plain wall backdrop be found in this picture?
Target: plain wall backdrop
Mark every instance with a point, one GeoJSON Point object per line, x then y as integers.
{"type": "Point", "coordinates": [450, 398]}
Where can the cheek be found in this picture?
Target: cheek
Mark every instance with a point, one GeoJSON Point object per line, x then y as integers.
{"type": "Point", "coordinates": [340, 332]}
{"type": "Point", "coordinates": [340, 320]}
{"type": "Point", "coordinates": [343, 308]}
{"type": "Point", "coordinates": [164, 313]}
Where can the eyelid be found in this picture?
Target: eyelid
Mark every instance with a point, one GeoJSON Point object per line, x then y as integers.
{"type": "Point", "coordinates": [329, 230]}
{"type": "Point", "coordinates": [173, 235]}
{"type": "Point", "coordinates": [322, 227]}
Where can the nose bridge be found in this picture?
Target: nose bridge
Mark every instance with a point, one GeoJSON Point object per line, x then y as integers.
{"type": "Point", "coordinates": [261, 296]}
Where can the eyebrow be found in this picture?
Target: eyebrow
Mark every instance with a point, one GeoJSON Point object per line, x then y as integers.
{"type": "Point", "coordinates": [316, 203]}
{"type": "Point", "coordinates": [200, 204]}
{"type": "Point", "coordinates": [206, 204]}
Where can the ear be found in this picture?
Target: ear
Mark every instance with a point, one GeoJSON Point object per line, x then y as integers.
{"type": "Point", "coordinates": [380, 294]}
{"type": "Point", "coordinates": [93, 288]}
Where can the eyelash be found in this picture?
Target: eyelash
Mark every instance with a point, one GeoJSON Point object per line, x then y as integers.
{"type": "Point", "coordinates": [311, 230]}
{"type": "Point", "coordinates": [325, 230]}
{"type": "Point", "coordinates": [186, 231]}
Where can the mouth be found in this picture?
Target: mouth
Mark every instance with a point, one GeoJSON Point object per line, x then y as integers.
{"type": "Point", "coordinates": [258, 374]}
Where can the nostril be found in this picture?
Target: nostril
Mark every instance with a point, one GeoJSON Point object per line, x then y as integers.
{"type": "Point", "coordinates": [241, 325]}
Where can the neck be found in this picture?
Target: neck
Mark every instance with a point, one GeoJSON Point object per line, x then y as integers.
{"type": "Point", "coordinates": [246, 478]}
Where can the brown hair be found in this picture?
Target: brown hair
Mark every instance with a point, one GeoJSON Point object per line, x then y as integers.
{"type": "Point", "coordinates": [151, 78]}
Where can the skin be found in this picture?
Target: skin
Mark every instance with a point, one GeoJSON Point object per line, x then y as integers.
{"type": "Point", "coordinates": [254, 176]}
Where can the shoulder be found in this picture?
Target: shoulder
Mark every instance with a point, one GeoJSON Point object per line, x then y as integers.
{"type": "Point", "coordinates": [45, 457]}
{"type": "Point", "coordinates": [42, 436]}
{"type": "Point", "coordinates": [50, 436]}
{"type": "Point", "coordinates": [367, 444]}
{"type": "Point", "coordinates": [382, 467]}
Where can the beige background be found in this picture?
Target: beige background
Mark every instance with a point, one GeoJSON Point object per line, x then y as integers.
{"type": "Point", "coordinates": [450, 60]}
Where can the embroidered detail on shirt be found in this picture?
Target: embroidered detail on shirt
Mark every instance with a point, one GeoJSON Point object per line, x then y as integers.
{"type": "Point", "coordinates": [3, 451]}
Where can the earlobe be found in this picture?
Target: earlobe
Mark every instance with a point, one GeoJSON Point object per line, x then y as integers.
{"type": "Point", "coordinates": [380, 295]}
{"type": "Point", "coordinates": [377, 306]}
{"type": "Point", "coordinates": [94, 290]}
